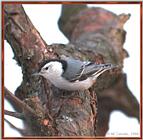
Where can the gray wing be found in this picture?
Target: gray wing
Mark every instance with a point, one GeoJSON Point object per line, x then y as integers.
{"type": "Point", "coordinates": [74, 68]}
{"type": "Point", "coordinates": [78, 70]}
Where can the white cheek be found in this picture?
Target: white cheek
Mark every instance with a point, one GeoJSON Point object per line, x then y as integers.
{"type": "Point", "coordinates": [56, 70]}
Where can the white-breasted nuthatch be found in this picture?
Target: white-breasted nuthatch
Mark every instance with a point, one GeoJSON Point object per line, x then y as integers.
{"type": "Point", "coordinates": [70, 74]}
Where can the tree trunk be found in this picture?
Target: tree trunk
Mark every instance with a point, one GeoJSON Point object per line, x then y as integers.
{"type": "Point", "coordinates": [53, 112]}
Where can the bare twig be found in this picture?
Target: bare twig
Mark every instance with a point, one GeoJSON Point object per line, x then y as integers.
{"type": "Point", "coordinates": [14, 114]}
{"type": "Point", "coordinates": [23, 106]}
{"type": "Point", "coordinates": [21, 131]}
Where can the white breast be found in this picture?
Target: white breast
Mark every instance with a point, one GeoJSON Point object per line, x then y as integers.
{"type": "Point", "coordinates": [62, 83]}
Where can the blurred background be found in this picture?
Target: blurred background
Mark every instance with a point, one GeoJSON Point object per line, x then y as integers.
{"type": "Point", "coordinates": [45, 17]}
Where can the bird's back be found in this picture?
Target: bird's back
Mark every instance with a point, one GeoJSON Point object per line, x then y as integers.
{"type": "Point", "coordinates": [78, 70]}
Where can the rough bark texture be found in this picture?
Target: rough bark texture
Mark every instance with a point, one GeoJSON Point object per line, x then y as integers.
{"type": "Point", "coordinates": [92, 37]}
{"type": "Point", "coordinates": [99, 34]}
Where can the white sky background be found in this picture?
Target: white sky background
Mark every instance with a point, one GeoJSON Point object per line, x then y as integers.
{"type": "Point", "coordinates": [44, 18]}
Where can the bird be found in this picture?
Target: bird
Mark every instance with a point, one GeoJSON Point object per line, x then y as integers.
{"type": "Point", "coordinates": [72, 74]}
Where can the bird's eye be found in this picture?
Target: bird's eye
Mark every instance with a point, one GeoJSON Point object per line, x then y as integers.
{"type": "Point", "coordinates": [46, 68]}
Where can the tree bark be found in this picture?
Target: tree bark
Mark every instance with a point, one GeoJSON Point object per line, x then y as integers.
{"type": "Point", "coordinates": [99, 34]}
{"type": "Point", "coordinates": [58, 112]}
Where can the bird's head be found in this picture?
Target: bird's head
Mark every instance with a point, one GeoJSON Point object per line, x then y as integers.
{"type": "Point", "coordinates": [51, 68]}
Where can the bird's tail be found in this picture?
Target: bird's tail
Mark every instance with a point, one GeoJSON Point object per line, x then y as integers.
{"type": "Point", "coordinates": [102, 68]}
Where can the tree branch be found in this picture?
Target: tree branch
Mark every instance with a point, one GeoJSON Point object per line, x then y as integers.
{"type": "Point", "coordinates": [30, 50]}
{"type": "Point", "coordinates": [14, 114]}
{"type": "Point", "coordinates": [21, 131]}
{"type": "Point", "coordinates": [21, 105]}
{"type": "Point", "coordinates": [90, 40]}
